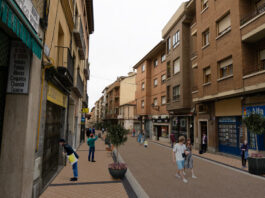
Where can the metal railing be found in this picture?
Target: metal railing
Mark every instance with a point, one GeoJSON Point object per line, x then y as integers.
{"type": "Point", "coordinates": [80, 84]}
{"type": "Point", "coordinates": [252, 15]}
{"type": "Point", "coordinates": [65, 59]}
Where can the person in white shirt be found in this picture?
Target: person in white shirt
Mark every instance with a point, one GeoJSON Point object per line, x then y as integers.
{"type": "Point", "coordinates": [179, 153]}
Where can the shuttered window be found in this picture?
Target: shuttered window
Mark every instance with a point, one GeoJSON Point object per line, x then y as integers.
{"type": "Point", "coordinates": [224, 24]}
{"type": "Point", "coordinates": [226, 67]}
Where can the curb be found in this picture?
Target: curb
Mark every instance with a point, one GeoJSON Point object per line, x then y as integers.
{"type": "Point", "coordinates": [139, 191]}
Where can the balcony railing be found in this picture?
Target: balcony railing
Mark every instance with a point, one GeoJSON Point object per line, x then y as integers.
{"type": "Point", "coordinates": [79, 37]}
{"type": "Point", "coordinates": [256, 68]}
{"type": "Point", "coordinates": [87, 70]}
{"type": "Point", "coordinates": [79, 86]}
{"type": "Point", "coordinates": [65, 63]}
{"type": "Point", "coordinates": [176, 97]}
{"type": "Point", "coordinates": [252, 15]}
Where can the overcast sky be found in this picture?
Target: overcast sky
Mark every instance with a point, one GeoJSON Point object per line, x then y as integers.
{"type": "Point", "coordinates": [125, 31]}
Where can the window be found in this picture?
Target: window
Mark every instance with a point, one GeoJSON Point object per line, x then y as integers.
{"type": "Point", "coordinates": [223, 24]}
{"type": "Point", "coordinates": [176, 93]}
{"type": "Point", "coordinates": [163, 78]}
{"type": "Point", "coordinates": [155, 82]}
{"type": "Point", "coordinates": [143, 67]}
{"type": "Point", "coordinates": [163, 100]}
{"type": "Point", "coordinates": [155, 102]}
{"type": "Point", "coordinates": [176, 67]}
{"type": "Point", "coordinates": [142, 85]}
{"type": "Point", "coordinates": [262, 59]}
{"type": "Point", "coordinates": [142, 104]}
{"type": "Point", "coordinates": [168, 94]}
{"type": "Point", "coordinates": [155, 63]}
{"type": "Point", "coordinates": [163, 58]}
{"type": "Point", "coordinates": [207, 75]}
{"type": "Point", "coordinates": [168, 44]}
{"type": "Point", "coordinates": [176, 39]}
{"type": "Point", "coordinates": [168, 70]}
{"type": "Point", "coordinates": [205, 38]}
{"type": "Point", "coordinates": [225, 67]}
{"type": "Point", "coordinates": [204, 4]}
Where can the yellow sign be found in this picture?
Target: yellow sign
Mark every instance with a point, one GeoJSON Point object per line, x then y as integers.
{"type": "Point", "coordinates": [55, 96]}
{"type": "Point", "coordinates": [85, 110]}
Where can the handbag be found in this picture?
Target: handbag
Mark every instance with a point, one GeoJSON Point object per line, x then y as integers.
{"type": "Point", "coordinates": [183, 155]}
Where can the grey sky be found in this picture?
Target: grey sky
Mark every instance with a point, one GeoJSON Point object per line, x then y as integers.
{"type": "Point", "coordinates": [125, 30]}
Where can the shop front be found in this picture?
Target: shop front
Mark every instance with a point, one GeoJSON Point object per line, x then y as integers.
{"type": "Point", "coordinates": [182, 126]}
{"type": "Point", "coordinates": [160, 127]}
{"type": "Point", "coordinates": [54, 130]}
{"type": "Point", "coordinates": [251, 136]}
{"type": "Point", "coordinates": [230, 134]}
{"type": "Point", "coordinates": [229, 125]}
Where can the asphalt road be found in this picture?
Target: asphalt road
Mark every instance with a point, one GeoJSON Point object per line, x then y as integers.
{"type": "Point", "coordinates": [155, 171]}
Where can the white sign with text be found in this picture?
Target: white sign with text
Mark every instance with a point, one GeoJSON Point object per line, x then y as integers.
{"type": "Point", "coordinates": [30, 12]}
{"type": "Point", "coordinates": [18, 76]}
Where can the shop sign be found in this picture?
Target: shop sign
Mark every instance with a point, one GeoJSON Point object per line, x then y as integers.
{"type": "Point", "coordinates": [55, 96]}
{"type": "Point", "coordinates": [83, 120]}
{"type": "Point", "coordinates": [85, 110]}
{"type": "Point", "coordinates": [30, 12]}
{"type": "Point", "coordinates": [253, 109]}
{"type": "Point", "coordinates": [227, 119]}
{"type": "Point", "coordinates": [18, 77]}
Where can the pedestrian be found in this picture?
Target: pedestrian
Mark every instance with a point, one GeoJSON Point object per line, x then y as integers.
{"type": "Point", "coordinates": [94, 131]}
{"type": "Point", "coordinates": [103, 130]}
{"type": "Point", "coordinates": [244, 153]}
{"type": "Point", "coordinates": [204, 143]}
{"type": "Point", "coordinates": [91, 143]}
{"type": "Point", "coordinates": [172, 139]}
{"type": "Point", "coordinates": [179, 152]}
{"type": "Point", "coordinates": [133, 133]}
{"type": "Point", "coordinates": [72, 157]}
{"type": "Point", "coordinates": [139, 136]}
{"type": "Point", "coordinates": [188, 164]}
{"type": "Point", "coordinates": [143, 138]}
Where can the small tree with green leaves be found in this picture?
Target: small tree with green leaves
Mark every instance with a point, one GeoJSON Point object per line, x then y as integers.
{"type": "Point", "coordinates": [117, 135]}
{"type": "Point", "coordinates": [255, 123]}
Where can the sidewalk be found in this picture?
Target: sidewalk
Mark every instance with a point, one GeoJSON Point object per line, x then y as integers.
{"type": "Point", "coordinates": [232, 161]}
{"type": "Point", "coordinates": [94, 179]}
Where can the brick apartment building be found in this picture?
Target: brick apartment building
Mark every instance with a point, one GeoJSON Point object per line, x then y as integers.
{"type": "Point", "coordinates": [177, 33]}
{"type": "Point", "coordinates": [228, 69]}
{"type": "Point", "coordinates": [151, 92]}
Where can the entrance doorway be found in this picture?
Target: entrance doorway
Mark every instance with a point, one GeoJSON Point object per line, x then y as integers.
{"type": "Point", "coordinates": [53, 128]}
{"type": "Point", "coordinates": [4, 61]}
{"type": "Point", "coordinates": [203, 130]}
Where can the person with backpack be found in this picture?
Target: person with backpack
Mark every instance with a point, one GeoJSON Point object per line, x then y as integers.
{"type": "Point", "coordinates": [91, 143]}
{"type": "Point", "coordinates": [72, 157]}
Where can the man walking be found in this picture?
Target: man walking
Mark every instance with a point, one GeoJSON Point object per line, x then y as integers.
{"type": "Point", "coordinates": [91, 143]}
{"type": "Point", "coordinates": [204, 143]}
{"type": "Point", "coordinates": [72, 157]}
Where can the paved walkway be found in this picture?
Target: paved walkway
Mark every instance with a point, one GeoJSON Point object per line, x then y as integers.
{"type": "Point", "coordinates": [94, 179]}
{"type": "Point", "coordinates": [155, 171]}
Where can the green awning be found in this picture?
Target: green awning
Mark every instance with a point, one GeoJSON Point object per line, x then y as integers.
{"type": "Point", "coordinates": [12, 16]}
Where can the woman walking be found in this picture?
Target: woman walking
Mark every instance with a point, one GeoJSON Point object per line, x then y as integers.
{"type": "Point", "coordinates": [244, 153]}
{"type": "Point", "coordinates": [188, 159]}
{"type": "Point", "coordinates": [179, 152]}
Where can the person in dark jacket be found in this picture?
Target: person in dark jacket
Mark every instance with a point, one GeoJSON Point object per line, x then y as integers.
{"type": "Point", "coordinates": [91, 143]}
{"type": "Point", "coordinates": [72, 157]}
{"type": "Point", "coordinates": [172, 139]}
{"type": "Point", "coordinates": [244, 153]}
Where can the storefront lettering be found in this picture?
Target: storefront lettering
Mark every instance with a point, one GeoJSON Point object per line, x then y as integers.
{"type": "Point", "coordinates": [19, 69]}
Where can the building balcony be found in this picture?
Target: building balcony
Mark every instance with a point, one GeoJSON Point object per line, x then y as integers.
{"type": "Point", "coordinates": [87, 70]}
{"type": "Point", "coordinates": [254, 69]}
{"type": "Point", "coordinates": [85, 100]}
{"type": "Point", "coordinates": [79, 37]}
{"type": "Point", "coordinates": [79, 86]}
{"type": "Point", "coordinates": [65, 65]}
{"type": "Point", "coordinates": [253, 25]}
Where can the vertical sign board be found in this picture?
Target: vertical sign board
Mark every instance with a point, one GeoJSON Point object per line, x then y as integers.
{"type": "Point", "coordinates": [18, 76]}
{"type": "Point", "coordinates": [30, 12]}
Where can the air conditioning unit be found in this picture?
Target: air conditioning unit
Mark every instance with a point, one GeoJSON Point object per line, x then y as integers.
{"type": "Point", "coordinates": [203, 108]}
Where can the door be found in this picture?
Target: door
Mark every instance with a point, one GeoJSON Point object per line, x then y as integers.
{"type": "Point", "coordinates": [203, 125]}
{"type": "Point", "coordinates": [53, 127]}
{"type": "Point", "coordinates": [4, 61]}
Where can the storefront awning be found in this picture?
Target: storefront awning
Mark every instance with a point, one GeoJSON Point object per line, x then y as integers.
{"type": "Point", "coordinates": [14, 18]}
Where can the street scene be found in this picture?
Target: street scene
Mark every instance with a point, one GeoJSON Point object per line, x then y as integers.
{"type": "Point", "coordinates": [132, 99]}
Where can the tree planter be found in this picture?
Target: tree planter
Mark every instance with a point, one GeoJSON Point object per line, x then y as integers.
{"type": "Point", "coordinates": [256, 165]}
{"type": "Point", "coordinates": [117, 173]}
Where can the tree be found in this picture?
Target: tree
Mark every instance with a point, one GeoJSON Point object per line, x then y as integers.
{"type": "Point", "coordinates": [255, 123]}
{"type": "Point", "coordinates": [117, 135]}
